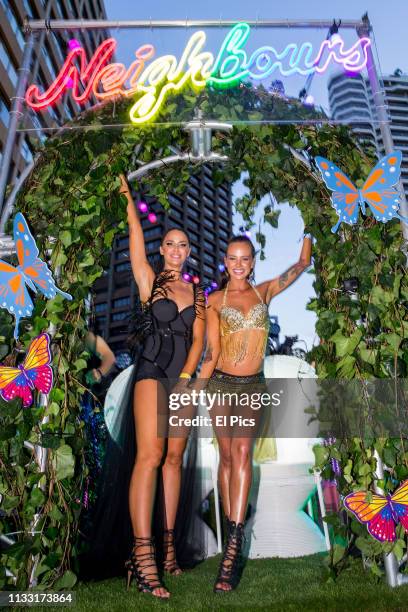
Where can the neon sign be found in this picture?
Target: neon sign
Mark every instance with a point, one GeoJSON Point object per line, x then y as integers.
{"type": "Point", "coordinates": [151, 84]}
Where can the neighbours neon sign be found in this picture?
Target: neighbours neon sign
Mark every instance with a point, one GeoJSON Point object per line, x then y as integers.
{"type": "Point", "coordinates": [151, 84]}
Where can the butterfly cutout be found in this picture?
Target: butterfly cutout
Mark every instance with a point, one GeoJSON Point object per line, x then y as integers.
{"type": "Point", "coordinates": [381, 513]}
{"type": "Point", "coordinates": [378, 191]}
{"type": "Point", "coordinates": [34, 372]}
{"type": "Point", "coordinates": [31, 272]}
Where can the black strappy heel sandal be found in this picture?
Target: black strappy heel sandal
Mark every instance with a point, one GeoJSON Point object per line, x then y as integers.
{"type": "Point", "coordinates": [170, 565]}
{"type": "Point", "coordinates": [228, 525]}
{"type": "Point", "coordinates": [231, 562]}
{"type": "Point", "coordinates": [137, 564]}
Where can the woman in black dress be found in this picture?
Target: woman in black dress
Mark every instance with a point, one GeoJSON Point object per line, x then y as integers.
{"type": "Point", "coordinates": [135, 498]}
{"type": "Point", "coordinates": [175, 312]}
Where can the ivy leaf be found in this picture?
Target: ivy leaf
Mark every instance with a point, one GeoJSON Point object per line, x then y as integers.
{"type": "Point", "coordinates": [338, 553]}
{"type": "Point", "coordinates": [398, 549]}
{"type": "Point", "coordinates": [60, 259]}
{"type": "Point", "coordinates": [9, 502]}
{"type": "Point", "coordinates": [367, 355]}
{"type": "Point", "coordinates": [80, 364]}
{"type": "Point", "coordinates": [260, 238]}
{"type": "Point", "coordinates": [380, 297]}
{"type": "Point", "coordinates": [37, 497]}
{"type": "Point", "coordinates": [344, 345]}
{"type": "Point", "coordinates": [367, 546]}
{"type": "Point", "coordinates": [393, 340]}
{"type": "Point", "coordinates": [108, 237]}
{"type": "Point", "coordinates": [82, 220]}
{"type": "Point", "coordinates": [345, 367]}
{"type": "Point", "coordinates": [365, 469]}
{"type": "Point", "coordinates": [7, 432]}
{"type": "Point", "coordinates": [65, 237]}
{"type": "Point", "coordinates": [321, 454]}
{"type": "Point", "coordinates": [55, 513]}
{"type": "Point", "coordinates": [272, 218]}
{"type": "Point", "coordinates": [67, 581]}
{"type": "Point", "coordinates": [63, 462]}
{"type": "Point", "coordinates": [57, 394]}
{"type": "Point", "coordinates": [87, 260]}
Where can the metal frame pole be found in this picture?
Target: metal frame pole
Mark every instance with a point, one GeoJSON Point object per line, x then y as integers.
{"type": "Point", "coordinates": [15, 114]}
{"type": "Point", "coordinates": [41, 457]}
{"type": "Point", "coordinates": [394, 577]}
{"type": "Point", "coordinates": [8, 206]}
{"type": "Point", "coordinates": [364, 30]}
{"type": "Point", "coordinates": [318, 483]}
{"type": "Point", "coordinates": [89, 24]}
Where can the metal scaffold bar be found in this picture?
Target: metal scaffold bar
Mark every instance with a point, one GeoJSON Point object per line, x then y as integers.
{"type": "Point", "coordinates": [89, 24]}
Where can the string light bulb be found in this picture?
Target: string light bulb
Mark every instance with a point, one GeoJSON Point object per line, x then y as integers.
{"type": "Point", "coordinates": [73, 43]}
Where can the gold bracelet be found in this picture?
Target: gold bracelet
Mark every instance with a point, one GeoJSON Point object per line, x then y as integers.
{"type": "Point", "coordinates": [185, 375]}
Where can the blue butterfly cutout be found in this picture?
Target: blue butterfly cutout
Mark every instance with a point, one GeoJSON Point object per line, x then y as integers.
{"type": "Point", "coordinates": [378, 191]}
{"type": "Point", "coordinates": [31, 272]}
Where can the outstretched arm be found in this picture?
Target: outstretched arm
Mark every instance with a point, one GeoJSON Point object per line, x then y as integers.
{"type": "Point", "coordinates": [142, 270]}
{"type": "Point", "coordinates": [272, 287]}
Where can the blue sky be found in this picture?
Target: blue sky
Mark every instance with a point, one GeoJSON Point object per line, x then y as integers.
{"type": "Point", "coordinates": [389, 20]}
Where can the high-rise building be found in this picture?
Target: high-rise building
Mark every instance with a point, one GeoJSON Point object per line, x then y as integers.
{"type": "Point", "coordinates": [351, 100]}
{"type": "Point", "coordinates": [204, 212]}
{"type": "Point", "coordinates": [396, 92]}
{"type": "Point", "coordinates": [49, 54]}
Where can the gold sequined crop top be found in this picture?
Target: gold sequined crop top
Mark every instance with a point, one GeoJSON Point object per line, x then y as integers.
{"type": "Point", "coordinates": [243, 335]}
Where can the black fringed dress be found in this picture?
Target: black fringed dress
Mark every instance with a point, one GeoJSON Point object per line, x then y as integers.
{"type": "Point", "coordinates": [162, 337]}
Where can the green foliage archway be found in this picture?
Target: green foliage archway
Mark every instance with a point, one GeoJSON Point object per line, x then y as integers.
{"type": "Point", "coordinates": [72, 203]}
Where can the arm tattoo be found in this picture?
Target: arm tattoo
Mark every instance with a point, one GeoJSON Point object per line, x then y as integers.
{"type": "Point", "coordinates": [208, 354]}
{"type": "Point", "coordinates": [293, 271]}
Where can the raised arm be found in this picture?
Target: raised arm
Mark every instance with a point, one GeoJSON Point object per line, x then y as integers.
{"type": "Point", "coordinates": [272, 287]}
{"type": "Point", "coordinates": [142, 270]}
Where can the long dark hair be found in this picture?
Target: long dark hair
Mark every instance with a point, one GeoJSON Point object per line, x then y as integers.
{"type": "Point", "coordinates": [239, 238]}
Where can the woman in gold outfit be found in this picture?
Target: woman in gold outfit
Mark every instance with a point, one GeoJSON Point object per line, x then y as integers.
{"type": "Point", "coordinates": [237, 334]}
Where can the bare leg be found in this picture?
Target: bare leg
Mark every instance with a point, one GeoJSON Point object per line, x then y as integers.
{"type": "Point", "coordinates": [142, 488]}
{"type": "Point", "coordinates": [224, 474]}
{"type": "Point", "coordinates": [241, 477]}
{"type": "Point", "coordinates": [239, 486]}
{"type": "Point", "coordinates": [242, 447]}
{"type": "Point", "coordinates": [223, 433]}
{"type": "Point", "coordinates": [171, 484]}
{"type": "Point", "coordinates": [240, 480]}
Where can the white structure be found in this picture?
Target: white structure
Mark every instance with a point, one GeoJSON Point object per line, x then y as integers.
{"type": "Point", "coordinates": [351, 100]}
{"type": "Point", "coordinates": [280, 528]}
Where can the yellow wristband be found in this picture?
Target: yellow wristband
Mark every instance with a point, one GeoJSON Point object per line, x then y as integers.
{"type": "Point", "coordinates": [185, 375]}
